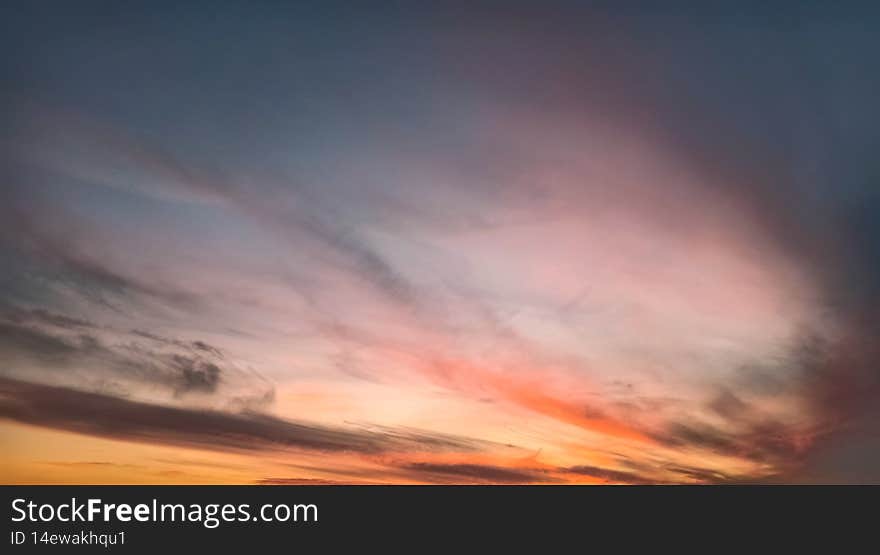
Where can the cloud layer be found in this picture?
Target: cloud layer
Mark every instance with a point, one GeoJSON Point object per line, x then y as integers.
{"type": "Point", "coordinates": [455, 245]}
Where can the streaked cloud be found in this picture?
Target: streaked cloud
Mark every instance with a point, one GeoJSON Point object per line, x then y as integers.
{"type": "Point", "coordinates": [571, 245]}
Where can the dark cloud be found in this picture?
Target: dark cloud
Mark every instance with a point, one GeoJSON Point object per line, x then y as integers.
{"type": "Point", "coordinates": [139, 359]}
{"type": "Point", "coordinates": [197, 375]}
{"type": "Point", "coordinates": [189, 345]}
{"type": "Point", "coordinates": [41, 315]}
{"type": "Point", "coordinates": [466, 473]}
{"type": "Point", "coordinates": [702, 475]}
{"type": "Point", "coordinates": [761, 441]}
{"type": "Point", "coordinates": [849, 456]}
{"type": "Point", "coordinates": [611, 475]}
{"type": "Point", "coordinates": [115, 418]}
{"type": "Point", "coordinates": [202, 346]}
{"type": "Point", "coordinates": [728, 405]}
{"type": "Point", "coordinates": [835, 380]}
{"type": "Point", "coordinates": [16, 339]}
{"type": "Point", "coordinates": [839, 377]}
{"type": "Point", "coordinates": [432, 441]}
{"type": "Point", "coordinates": [840, 381]}
{"type": "Point", "coordinates": [702, 436]}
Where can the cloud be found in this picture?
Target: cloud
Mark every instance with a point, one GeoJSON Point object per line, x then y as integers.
{"type": "Point", "coordinates": [308, 482]}
{"type": "Point", "coordinates": [115, 418]}
{"type": "Point", "coordinates": [764, 442]}
{"type": "Point", "coordinates": [703, 475]}
{"type": "Point", "coordinates": [15, 338]}
{"type": "Point", "coordinates": [525, 239]}
{"type": "Point", "coordinates": [727, 405]}
{"type": "Point", "coordinates": [610, 475]}
{"type": "Point", "coordinates": [197, 375]}
{"type": "Point", "coordinates": [58, 244]}
{"type": "Point", "coordinates": [202, 346]}
{"type": "Point", "coordinates": [471, 473]}
{"type": "Point", "coordinates": [54, 348]}
{"type": "Point", "coordinates": [55, 144]}
{"type": "Point", "coordinates": [41, 315]}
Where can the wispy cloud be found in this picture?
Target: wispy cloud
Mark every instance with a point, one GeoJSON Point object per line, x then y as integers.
{"type": "Point", "coordinates": [613, 246]}
{"type": "Point", "coordinates": [117, 418]}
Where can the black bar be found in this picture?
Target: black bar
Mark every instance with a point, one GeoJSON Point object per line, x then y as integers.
{"type": "Point", "coordinates": [374, 517]}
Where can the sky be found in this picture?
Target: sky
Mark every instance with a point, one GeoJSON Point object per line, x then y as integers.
{"type": "Point", "coordinates": [446, 243]}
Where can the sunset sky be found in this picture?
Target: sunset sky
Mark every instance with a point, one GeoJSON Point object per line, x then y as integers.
{"type": "Point", "coordinates": [545, 242]}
